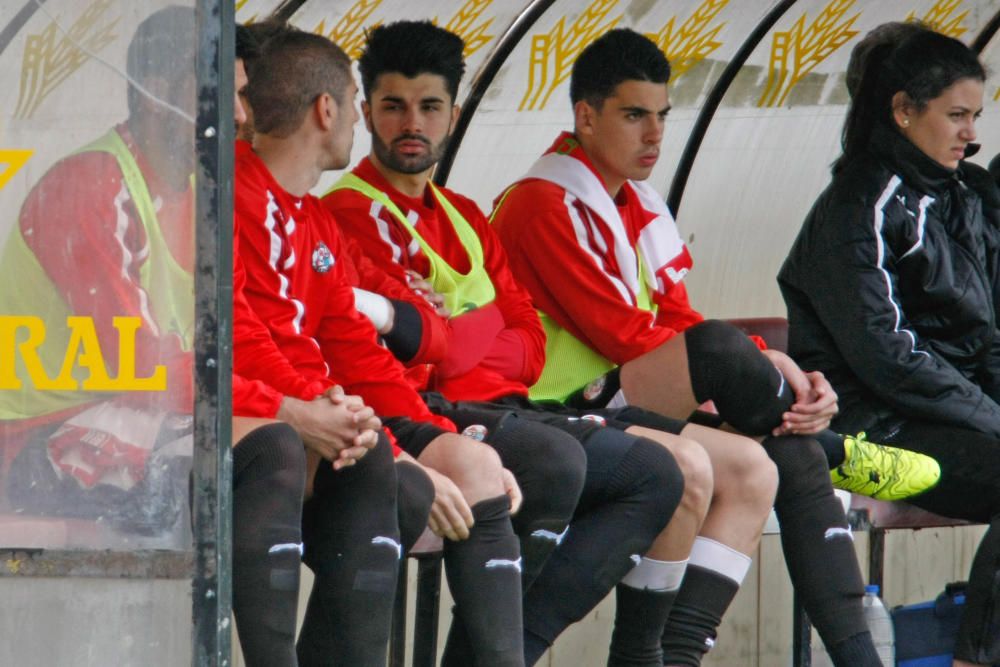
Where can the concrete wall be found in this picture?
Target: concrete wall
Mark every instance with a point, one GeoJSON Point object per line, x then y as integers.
{"type": "Point", "coordinates": [65, 622]}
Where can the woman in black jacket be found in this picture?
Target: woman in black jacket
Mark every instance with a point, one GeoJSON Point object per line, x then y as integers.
{"type": "Point", "coordinates": [892, 291]}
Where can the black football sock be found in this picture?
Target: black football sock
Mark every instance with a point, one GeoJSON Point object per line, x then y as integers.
{"type": "Point", "coordinates": [268, 479]}
{"type": "Point", "coordinates": [640, 616]}
{"type": "Point", "coordinates": [816, 540]}
{"type": "Point", "coordinates": [484, 576]}
{"type": "Point", "coordinates": [703, 599]}
{"type": "Point", "coordinates": [352, 545]}
{"type": "Point", "coordinates": [715, 572]}
{"type": "Point", "coordinates": [726, 367]}
{"type": "Point", "coordinates": [632, 499]}
{"type": "Point", "coordinates": [855, 651]}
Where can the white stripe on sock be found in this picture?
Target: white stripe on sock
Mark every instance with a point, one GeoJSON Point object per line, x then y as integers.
{"type": "Point", "coordinates": [717, 557]}
{"type": "Point", "coordinates": [656, 575]}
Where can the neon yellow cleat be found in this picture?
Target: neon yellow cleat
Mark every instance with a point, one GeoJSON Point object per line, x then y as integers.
{"type": "Point", "coordinates": [883, 472]}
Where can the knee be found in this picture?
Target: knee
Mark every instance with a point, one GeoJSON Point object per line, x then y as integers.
{"type": "Point", "coordinates": [655, 477]}
{"type": "Point", "coordinates": [473, 466]}
{"type": "Point", "coordinates": [556, 467]}
{"type": "Point", "coordinates": [699, 479]}
{"type": "Point", "coordinates": [715, 338]}
{"type": "Point", "coordinates": [268, 450]}
{"type": "Point", "coordinates": [377, 464]}
{"type": "Point", "coordinates": [753, 479]}
{"type": "Point", "coordinates": [543, 457]}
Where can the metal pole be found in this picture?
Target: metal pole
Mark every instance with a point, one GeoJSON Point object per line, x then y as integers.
{"type": "Point", "coordinates": [713, 101]}
{"type": "Point", "coordinates": [212, 511]}
{"type": "Point", "coordinates": [481, 83]}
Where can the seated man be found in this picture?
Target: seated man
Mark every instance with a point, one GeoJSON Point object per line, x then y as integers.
{"type": "Point", "coordinates": [491, 348]}
{"type": "Point", "coordinates": [603, 260]}
{"type": "Point", "coordinates": [341, 543]}
{"type": "Point", "coordinates": [301, 95]}
{"type": "Point", "coordinates": [122, 456]}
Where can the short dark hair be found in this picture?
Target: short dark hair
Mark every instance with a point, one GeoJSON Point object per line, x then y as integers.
{"type": "Point", "coordinates": [247, 46]}
{"type": "Point", "coordinates": [412, 48]}
{"type": "Point", "coordinates": [163, 46]}
{"type": "Point", "coordinates": [255, 37]}
{"type": "Point", "coordinates": [922, 65]}
{"type": "Point", "coordinates": [616, 56]}
{"type": "Point", "coordinates": [892, 32]}
{"type": "Point", "coordinates": [294, 69]}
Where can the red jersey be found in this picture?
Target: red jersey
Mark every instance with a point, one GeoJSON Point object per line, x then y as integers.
{"type": "Point", "coordinates": [83, 210]}
{"type": "Point", "coordinates": [570, 259]}
{"type": "Point", "coordinates": [296, 284]}
{"type": "Point", "coordinates": [495, 350]}
{"type": "Point", "coordinates": [82, 226]}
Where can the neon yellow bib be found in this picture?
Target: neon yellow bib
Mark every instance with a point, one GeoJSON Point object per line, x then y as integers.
{"type": "Point", "coordinates": [462, 292]}
{"type": "Point", "coordinates": [571, 364]}
{"type": "Point", "coordinates": [169, 287]}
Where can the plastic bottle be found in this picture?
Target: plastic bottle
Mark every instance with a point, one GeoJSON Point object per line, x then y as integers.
{"type": "Point", "coordinates": [880, 624]}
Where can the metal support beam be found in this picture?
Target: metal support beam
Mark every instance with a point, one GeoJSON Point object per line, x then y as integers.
{"type": "Point", "coordinates": [714, 99]}
{"type": "Point", "coordinates": [212, 582]}
{"type": "Point", "coordinates": [484, 77]}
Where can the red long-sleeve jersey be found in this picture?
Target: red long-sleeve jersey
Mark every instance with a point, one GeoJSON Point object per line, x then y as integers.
{"type": "Point", "coordinates": [82, 226]}
{"type": "Point", "coordinates": [81, 215]}
{"type": "Point", "coordinates": [295, 283]}
{"type": "Point", "coordinates": [493, 351]}
{"type": "Point", "coordinates": [562, 252]}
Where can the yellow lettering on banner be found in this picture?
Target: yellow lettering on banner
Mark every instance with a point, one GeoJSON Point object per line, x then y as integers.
{"type": "Point", "coordinates": [82, 351]}
{"type": "Point", "coordinates": [127, 326]}
{"type": "Point", "coordinates": [11, 161]}
{"type": "Point", "coordinates": [28, 350]}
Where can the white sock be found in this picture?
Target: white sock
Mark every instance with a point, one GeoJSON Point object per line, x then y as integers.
{"type": "Point", "coordinates": [656, 575]}
{"type": "Point", "coordinates": [717, 557]}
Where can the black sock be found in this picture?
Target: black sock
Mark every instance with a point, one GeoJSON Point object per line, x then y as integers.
{"type": "Point", "coordinates": [550, 467]}
{"type": "Point", "coordinates": [726, 367]}
{"type": "Point", "coordinates": [833, 446]}
{"type": "Point", "coordinates": [414, 497]}
{"type": "Point", "coordinates": [640, 616]}
{"type": "Point", "coordinates": [484, 576]}
{"type": "Point", "coordinates": [268, 479]}
{"type": "Point", "coordinates": [694, 620]}
{"type": "Point", "coordinates": [855, 651]}
{"type": "Point", "coordinates": [352, 545]}
{"type": "Point", "coordinates": [624, 507]}
{"type": "Point", "coordinates": [816, 540]}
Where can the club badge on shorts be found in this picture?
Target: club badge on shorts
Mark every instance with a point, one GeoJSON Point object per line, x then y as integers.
{"type": "Point", "coordinates": [322, 258]}
{"type": "Point", "coordinates": [476, 432]}
{"type": "Point", "coordinates": [594, 389]}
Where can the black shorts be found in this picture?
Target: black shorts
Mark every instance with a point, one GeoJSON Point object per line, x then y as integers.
{"type": "Point", "coordinates": [579, 423]}
{"type": "Point", "coordinates": [412, 436]}
{"type": "Point", "coordinates": [620, 418]}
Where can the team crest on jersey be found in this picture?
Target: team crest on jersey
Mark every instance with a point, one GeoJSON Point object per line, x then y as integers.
{"type": "Point", "coordinates": [322, 258]}
{"type": "Point", "coordinates": [594, 389]}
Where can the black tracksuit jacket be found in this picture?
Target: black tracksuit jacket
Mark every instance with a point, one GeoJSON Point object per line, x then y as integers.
{"type": "Point", "coordinates": [893, 288]}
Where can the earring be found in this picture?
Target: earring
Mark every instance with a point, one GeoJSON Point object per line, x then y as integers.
{"type": "Point", "coordinates": [906, 123]}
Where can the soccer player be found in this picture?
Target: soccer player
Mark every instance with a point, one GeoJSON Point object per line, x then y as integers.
{"type": "Point", "coordinates": [604, 262]}
{"type": "Point", "coordinates": [301, 94]}
{"type": "Point", "coordinates": [491, 349]}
